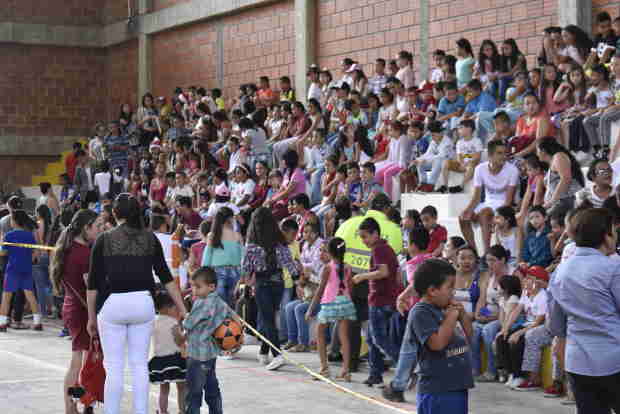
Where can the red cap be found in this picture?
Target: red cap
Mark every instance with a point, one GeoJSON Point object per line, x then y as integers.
{"type": "Point", "coordinates": [538, 272]}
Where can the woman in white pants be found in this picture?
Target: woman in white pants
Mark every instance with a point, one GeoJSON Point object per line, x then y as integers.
{"type": "Point", "coordinates": [120, 303]}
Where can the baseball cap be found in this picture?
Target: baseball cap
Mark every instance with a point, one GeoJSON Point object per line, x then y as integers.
{"type": "Point", "coordinates": [538, 272]}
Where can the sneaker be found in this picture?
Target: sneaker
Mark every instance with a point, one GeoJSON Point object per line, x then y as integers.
{"type": "Point", "coordinates": [517, 382]}
{"type": "Point", "coordinates": [391, 394]}
{"type": "Point", "coordinates": [554, 391]}
{"type": "Point", "coordinates": [456, 189]}
{"type": "Point", "coordinates": [486, 377]}
{"type": "Point", "coordinates": [263, 358]}
{"type": "Point", "coordinates": [509, 381]}
{"type": "Point", "coordinates": [527, 385]}
{"type": "Point", "coordinates": [277, 363]}
{"type": "Point", "coordinates": [289, 345]}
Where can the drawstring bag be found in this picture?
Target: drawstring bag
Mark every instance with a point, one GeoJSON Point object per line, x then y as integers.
{"type": "Point", "coordinates": [92, 375]}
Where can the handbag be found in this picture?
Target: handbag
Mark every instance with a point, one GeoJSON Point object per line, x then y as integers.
{"type": "Point", "coordinates": [92, 375]}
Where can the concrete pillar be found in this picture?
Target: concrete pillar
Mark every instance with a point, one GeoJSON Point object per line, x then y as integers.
{"type": "Point", "coordinates": [423, 53]}
{"type": "Point", "coordinates": [144, 54]}
{"type": "Point", "coordinates": [577, 12]}
{"type": "Point", "coordinates": [219, 67]}
{"type": "Point", "coordinates": [305, 44]}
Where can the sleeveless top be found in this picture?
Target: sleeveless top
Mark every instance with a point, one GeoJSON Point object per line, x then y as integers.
{"type": "Point", "coordinates": [493, 297]}
{"type": "Point", "coordinates": [469, 296]}
{"type": "Point", "coordinates": [552, 180]}
{"type": "Point", "coordinates": [509, 243]}
{"type": "Point", "coordinates": [334, 287]}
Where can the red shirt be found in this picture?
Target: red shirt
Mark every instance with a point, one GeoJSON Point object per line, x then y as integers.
{"type": "Point", "coordinates": [158, 189]}
{"type": "Point", "coordinates": [196, 251]}
{"type": "Point", "coordinates": [383, 292]}
{"type": "Point", "coordinates": [438, 235]}
{"type": "Point", "coordinates": [77, 261]}
{"type": "Point", "coordinates": [71, 163]}
{"type": "Point", "coordinates": [192, 219]}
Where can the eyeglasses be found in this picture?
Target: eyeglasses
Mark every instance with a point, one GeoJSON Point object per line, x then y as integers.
{"type": "Point", "coordinates": [604, 171]}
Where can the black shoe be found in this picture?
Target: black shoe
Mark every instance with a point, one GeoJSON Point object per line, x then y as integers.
{"type": "Point", "coordinates": [354, 366]}
{"type": "Point", "coordinates": [334, 357]}
{"type": "Point", "coordinates": [455, 189]}
{"type": "Point", "coordinates": [393, 395]}
{"type": "Point", "coordinates": [443, 189]}
{"type": "Point", "coordinates": [373, 381]}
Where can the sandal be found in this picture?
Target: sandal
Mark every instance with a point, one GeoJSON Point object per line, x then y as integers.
{"type": "Point", "coordinates": [344, 377]}
{"type": "Point", "coordinates": [324, 372]}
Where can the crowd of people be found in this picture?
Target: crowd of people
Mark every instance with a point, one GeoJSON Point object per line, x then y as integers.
{"type": "Point", "coordinates": [243, 204]}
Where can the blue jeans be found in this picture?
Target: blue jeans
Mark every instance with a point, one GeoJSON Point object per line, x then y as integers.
{"type": "Point", "coordinates": [315, 185]}
{"type": "Point", "coordinates": [201, 378]}
{"type": "Point", "coordinates": [378, 340]}
{"type": "Point", "coordinates": [486, 333]}
{"type": "Point", "coordinates": [298, 328]}
{"type": "Point", "coordinates": [268, 296]}
{"type": "Point", "coordinates": [227, 278]}
{"type": "Point", "coordinates": [454, 402]}
{"type": "Point", "coordinates": [504, 84]}
{"type": "Point", "coordinates": [42, 283]}
{"type": "Point", "coordinates": [434, 166]}
{"type": "Point", "coordinates": [407, 359]}
{"type": "Point", "coordinates": [287, 297]}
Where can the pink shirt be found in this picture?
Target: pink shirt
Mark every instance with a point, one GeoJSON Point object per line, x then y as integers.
{"type": "Point", "coordinates": [333, 286]}
{"type": "Point", "coordinates": [410, 268]}
{"type": "Point", "coordinates": [299, 179]}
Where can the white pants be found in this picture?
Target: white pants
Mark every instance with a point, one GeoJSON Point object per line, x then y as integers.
{"type": "Point", "coordinates": [126, 322]}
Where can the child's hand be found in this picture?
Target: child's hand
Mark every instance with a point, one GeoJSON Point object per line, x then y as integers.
{"type": "Point", "coordinates": [401, 304]}
{"type": "Point", "coordinates": [514, 338]}
{"type": "Point", "coordinates": [359, 278]}
{"type": "Point", "coordinates": [179, 336]}
{"type": "Point", "coordinates": [308, 317]}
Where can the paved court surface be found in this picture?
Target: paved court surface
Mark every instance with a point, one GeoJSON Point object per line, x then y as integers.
{"type": "Point", "coordinates": [33, 364]}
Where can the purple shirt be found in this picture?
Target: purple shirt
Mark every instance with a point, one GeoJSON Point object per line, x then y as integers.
{"type": "Point", "coordinates": [299, 179]}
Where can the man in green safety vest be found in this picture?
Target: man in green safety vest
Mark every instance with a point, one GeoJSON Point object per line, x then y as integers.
{"type": "Point", "coordinates": [358, 254]}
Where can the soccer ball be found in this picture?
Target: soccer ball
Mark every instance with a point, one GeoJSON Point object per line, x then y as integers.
{"type": "Point", "coordinates": [229, 335]}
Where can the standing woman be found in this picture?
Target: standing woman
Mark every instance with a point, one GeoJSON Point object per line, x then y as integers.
{"type": "Point", "coordinates": [120, 302]}
{"type": "Point", "coordinates": [40, 268]}
{"type": "Point", "coordinates": [125, 116]}
{"type": "Point", "coordinates": [70, 263]}
{"type": "Point", "coordinates": [405, 72]}
{"type": "Point", "coordinates": [266, 254]}
{"type": "Point", "coordinates": [18, 272]}
{"type": "Point", "coordinates": [147, 120]}
{"type": "Point", "coordinates": [564, 178]}
{"type": "Point", "coordinates": [223, 253]}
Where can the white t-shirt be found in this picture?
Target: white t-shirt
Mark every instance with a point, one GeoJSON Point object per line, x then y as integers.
{"type": "Point", "coordinates": [314, 91]}
{"type": "Point", "coordinates": [603, 98]}
{"type": "Point", "coordinates": [214, 207]}
{"type": "Point", "coordinates": [496, 186]}
{"type": "Point", "coordinates": [534, 307]}
{"type": "Point", "coordinates": [276, 127]}
{"type": "Point", "coordinates": [258, 139]}
{"type": "Point", "coordinates": [240, 190]}
{"type": "Point", "coordinates": [102, 182]}
{"type": "Point", "coordinates": [185, 191]}
{"type": "Point", "coordinates": [468, 148]}
{"type": "Point", "coordinates": [507, 304]}
{"type": "Point", "coordinates": [436, 75]}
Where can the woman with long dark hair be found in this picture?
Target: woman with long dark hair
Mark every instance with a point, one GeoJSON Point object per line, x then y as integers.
{"type": "Point", "coordinates": [266, 254]}
{"type": "Point", "coordinates": [40, 269]}
{"type": "Point", "coordinates": [120, 302]}
{"type": "Point", "coordinates": [512, 62]}
{"type": "Point", "coordinates": [70, 263]}
{"type": "Point", "coordinates": [487, 67]}
{"type": "Point", "coordinates": [148, 120]}
{"type": "Point", "coordinates": [223, 253]}
{"type": "Point", "coordinates": [294, 183]}
{"type": "Point", "coordinates": [564, 177]}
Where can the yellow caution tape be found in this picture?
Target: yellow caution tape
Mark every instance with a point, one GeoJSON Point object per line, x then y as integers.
{"type": "Point", "coordinates": [319, 376]}
{"type": "Point", "coordinates": [28, 246]}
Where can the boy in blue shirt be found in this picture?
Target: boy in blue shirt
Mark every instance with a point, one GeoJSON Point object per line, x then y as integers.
{"type": "Point", "coordinates": [207, 314]}
{"type": "Point", "coordinates": [440, 328]}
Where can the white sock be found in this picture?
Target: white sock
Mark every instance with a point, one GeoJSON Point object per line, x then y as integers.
{"type": "Point", "coordinates": [36, 318]}
{"type": "Point", "coordinates": [4, 320]}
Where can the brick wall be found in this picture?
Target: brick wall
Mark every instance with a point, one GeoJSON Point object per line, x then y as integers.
{"type": "Point", "coordinates": [50, 91]}
{"type": "Point", "coordinates": [365, 30]}
{"type": "Point", "coordinates": [115, 10]}
{"type": "Point", "coordinates": [60, 12]}
{"type": "Point", "coordinates": [491, 19]}
{"type": "Point", "coordinates": [121, 77]}
{"type": "Point", "coordinates": [162, 4]}
{"type": "Point", "coordinates": [610, 6]}
{"type": "Point", "coordinates": [256, 42]}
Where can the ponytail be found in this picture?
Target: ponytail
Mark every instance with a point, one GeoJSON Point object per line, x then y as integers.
{"type": "Point", "coordinates": [80, 220]}
{"type": "Point", "coordinates": [337, 248]}
{"type": "Point", "coordinates": [126, 207]}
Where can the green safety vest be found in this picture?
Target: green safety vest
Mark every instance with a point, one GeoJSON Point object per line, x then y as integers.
{"type": "Point", "coordinates": [358, 254]}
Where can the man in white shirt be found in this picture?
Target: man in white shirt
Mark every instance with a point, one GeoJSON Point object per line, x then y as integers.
{"type": "Point", "coordinates": [103, 178]}
{"type": "Point", "coordinates": [182, 188]}
{"type": "Point", "coordinates": [499, 179]}
{"type": "Point", "coordinates": [378, 82]}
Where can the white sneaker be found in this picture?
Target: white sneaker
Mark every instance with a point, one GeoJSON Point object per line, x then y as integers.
{"type": "Point", "coordinates": [517, 382]}
{"type": "Point", "coordinates": [263, 359]}
{"type": "Point", "coordinates": [509, 381]}
{"type": "Point", "coordinates": [277, 362]}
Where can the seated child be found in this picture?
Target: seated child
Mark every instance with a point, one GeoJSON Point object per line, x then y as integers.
{"type": "Point", "coordinates": [468, 153]}
{"type": "Point", "coordinates": [536, 246]}
{"type": "Point", "coordinates": [438, 233]}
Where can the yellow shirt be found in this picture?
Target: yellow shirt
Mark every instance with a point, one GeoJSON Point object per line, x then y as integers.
{"type": "Point", "coordinates": [296, 255]}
